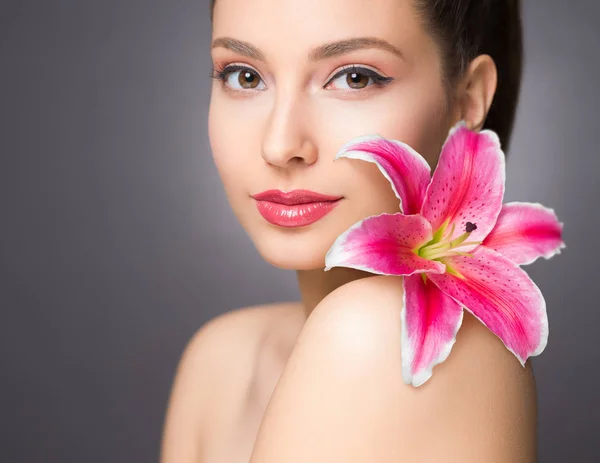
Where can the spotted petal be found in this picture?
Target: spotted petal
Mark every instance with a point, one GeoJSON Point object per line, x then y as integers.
{"type": "Point", "coordinates": [384, 244]}
{"type": "Point", "coordinates": [501, 295]}
{"type": "Point", "coordinates": [526, 231]}
{"type": "Point", "coordinates": [467, 184]}
{"type": "Point", "coordinates": [430, 321]}
{"type": "Point", "coordinates": [406, 170]}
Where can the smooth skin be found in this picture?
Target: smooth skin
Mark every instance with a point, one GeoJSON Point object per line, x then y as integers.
{"type": "Point", "coordinates": [341, 396]}
{"type": "Point", "coordinates": [334, 390]}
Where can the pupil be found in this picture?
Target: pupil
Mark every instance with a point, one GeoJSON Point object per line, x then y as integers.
{"type": "Point", "coordinates": [356, 78]}
{"type": "Point", "coordinates": [248, 78]}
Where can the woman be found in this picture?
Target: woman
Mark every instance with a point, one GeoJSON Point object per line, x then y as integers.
{"type": "Point", "coordinates": [319, 380]}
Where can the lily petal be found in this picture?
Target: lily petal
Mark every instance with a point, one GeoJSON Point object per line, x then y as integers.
{"type": "Point", "coordinates": [502, 296]}
{"type": "Point", "coordinates": [468, 183]}
{"type": "Point", "coordinates": [430, 321]}
{"type": "Point", "coordinates": [406, 170]}
{"type": "Point", "coordinates": [383, 244]}
{"type": "Point", "coordinates": [526, 231]}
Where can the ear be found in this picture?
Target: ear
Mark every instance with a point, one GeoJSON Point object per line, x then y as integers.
{"type": "Point", "coordinates": [477, 91]}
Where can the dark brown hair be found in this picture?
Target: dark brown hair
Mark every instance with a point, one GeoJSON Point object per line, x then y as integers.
{"type": "Point", "coordinates": [465, 29]}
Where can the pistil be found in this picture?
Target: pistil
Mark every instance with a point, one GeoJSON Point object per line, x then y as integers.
{"type": "Point", "coordinates": [445, 247]}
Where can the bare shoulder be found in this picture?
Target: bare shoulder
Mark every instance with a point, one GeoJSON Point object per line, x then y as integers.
{"type": "Point", "coordinates": [372, 305]}
{"type": "Point", "coordinates": [480, 391]}
{"type": "Point", "coordinates": [213, 375]}
{"type": "Point", "coordinates": [346, 370]}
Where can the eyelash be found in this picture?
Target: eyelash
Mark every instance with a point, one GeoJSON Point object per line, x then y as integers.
{"type": "Point", "coordinates": [378, 80]}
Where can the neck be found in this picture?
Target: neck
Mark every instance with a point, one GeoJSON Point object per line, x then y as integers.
{"type": "Point", "coordinates": [314, 285]}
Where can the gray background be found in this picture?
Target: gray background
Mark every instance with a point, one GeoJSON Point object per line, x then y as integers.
{"type": "Point", "coordinates": [117, 242]}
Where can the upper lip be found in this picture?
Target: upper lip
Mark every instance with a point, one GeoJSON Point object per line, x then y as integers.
{"type": "Point", "coordinates": [294, 197]}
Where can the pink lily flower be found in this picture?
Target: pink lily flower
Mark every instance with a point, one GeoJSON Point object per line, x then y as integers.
{"type": "Point", "coordinates": [457, 246]}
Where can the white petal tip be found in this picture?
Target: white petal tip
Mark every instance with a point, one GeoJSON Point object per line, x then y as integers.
{"type": "Point", "coordinates": [347, 147]}
{"type": "Point", "coordinates": [550, 254]}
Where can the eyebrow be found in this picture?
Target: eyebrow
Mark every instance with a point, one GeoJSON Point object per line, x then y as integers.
{"type": "Point", "coordinates": [321, 52]}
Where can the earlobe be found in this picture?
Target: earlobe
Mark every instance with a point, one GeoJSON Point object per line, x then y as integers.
{"type": "Point", "coordinates": [479, 86]}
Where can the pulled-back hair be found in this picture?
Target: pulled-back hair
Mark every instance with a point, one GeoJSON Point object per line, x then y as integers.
{"type": "Point", "coordinates": [464, 29]}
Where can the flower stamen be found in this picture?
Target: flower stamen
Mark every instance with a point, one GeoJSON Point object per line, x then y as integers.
{"type": "Point", "coordinates": [439, 247]}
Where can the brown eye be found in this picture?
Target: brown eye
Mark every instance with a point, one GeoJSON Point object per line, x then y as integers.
{"type": "Point", "coordinates": [239, 78]}
{"type": "Point", "coordinates": [356, 80]}
{"type": "Point", "coordinates": [248, 79]}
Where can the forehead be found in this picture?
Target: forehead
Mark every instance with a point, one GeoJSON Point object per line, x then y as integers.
{"type": "Point", "coordinates": [288, 26]}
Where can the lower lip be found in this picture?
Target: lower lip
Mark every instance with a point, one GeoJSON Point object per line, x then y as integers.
{"type": "Point", "coordinates": [297, 215]}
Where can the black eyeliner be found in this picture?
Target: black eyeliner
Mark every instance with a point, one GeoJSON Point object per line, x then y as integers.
{"type": "Point", "coordinates": [221, 73]}
{"type": "Point", "coordinates": [378, 79]}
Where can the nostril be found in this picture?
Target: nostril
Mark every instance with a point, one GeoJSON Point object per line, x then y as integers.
{"type": "Point", "coordinates": [288, 152]}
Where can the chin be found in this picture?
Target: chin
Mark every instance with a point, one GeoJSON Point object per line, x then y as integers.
{"type": "Point", "coordinates": [294, 249]}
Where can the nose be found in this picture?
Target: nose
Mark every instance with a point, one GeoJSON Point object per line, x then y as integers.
{"type": "Point", "coordinates": [286, 142]}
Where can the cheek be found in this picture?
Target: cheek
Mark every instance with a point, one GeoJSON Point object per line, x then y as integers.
{"type": "Point", "coordinates": [415, 115]}
{"type": "Point", "coordinates": [233, 143]}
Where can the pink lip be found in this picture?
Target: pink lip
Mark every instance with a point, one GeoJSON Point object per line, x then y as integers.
{"type": "Point", "coordinates": [295, 208]}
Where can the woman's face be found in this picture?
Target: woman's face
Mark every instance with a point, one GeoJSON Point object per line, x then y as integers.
{"type": "Point", "coordinates": [279, 122]}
